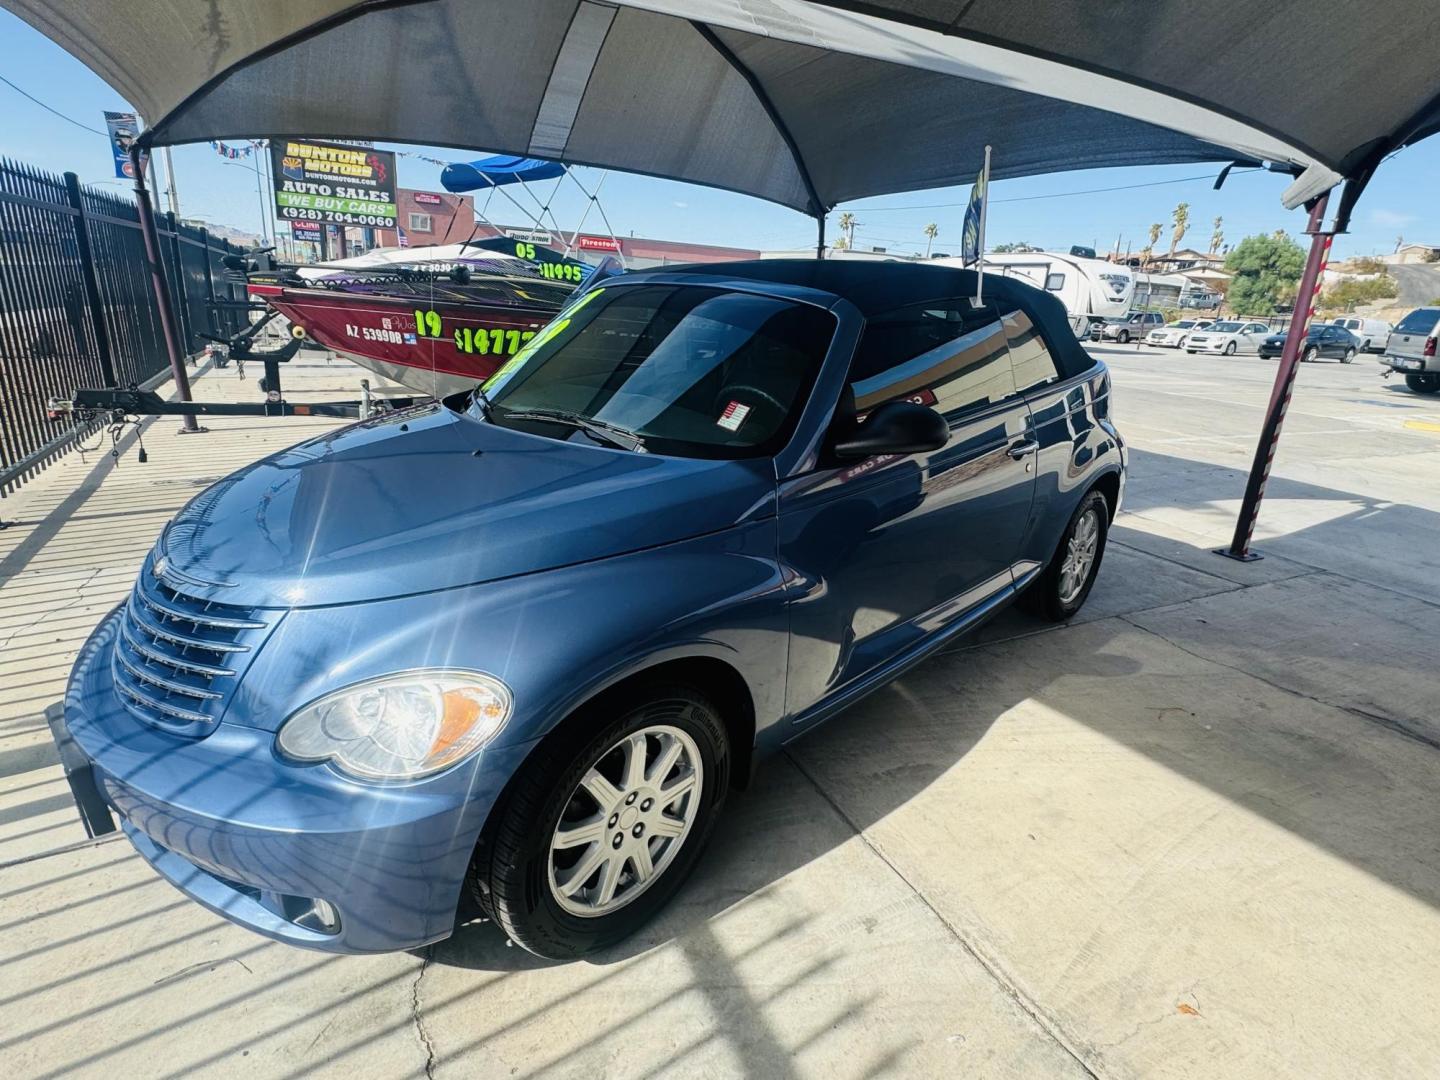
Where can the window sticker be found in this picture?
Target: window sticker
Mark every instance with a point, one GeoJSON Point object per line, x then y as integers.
{"type": "Point", "coordinates": [733, 416]}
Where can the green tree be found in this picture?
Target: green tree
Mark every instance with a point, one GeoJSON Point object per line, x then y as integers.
{"type": "Point", "coordinates": [931, 231]}
{"type": "Point", "coordinates": [1266, 272]}
{"type": "Point", "coordinates": [1181, 219]}
{"type": "Point", "coordinates": [1155, 231]}
{"type": "Point", "coordinates": [1011, 245]}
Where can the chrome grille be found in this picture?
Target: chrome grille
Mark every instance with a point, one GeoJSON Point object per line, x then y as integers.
{"type": "Point", "coordinates": [177, 656]}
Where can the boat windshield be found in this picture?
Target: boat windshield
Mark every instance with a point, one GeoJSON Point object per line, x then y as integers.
{"type": "Point", "coordinates": [685, 370]}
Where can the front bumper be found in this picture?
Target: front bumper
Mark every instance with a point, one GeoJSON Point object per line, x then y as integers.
{"type": "Point", "coordinates": [259, 840]}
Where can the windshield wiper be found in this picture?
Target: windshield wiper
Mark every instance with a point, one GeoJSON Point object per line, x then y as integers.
{"type": "Point", "coordinates": [600, 430]}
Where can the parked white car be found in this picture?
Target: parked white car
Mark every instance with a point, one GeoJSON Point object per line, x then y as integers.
{"type": "Point", "coordinates": [1373, 333]}
{"type": "Point", "coordinates": [1228, 338]}
{"type": "Point", "coordinates": [1173, 335]}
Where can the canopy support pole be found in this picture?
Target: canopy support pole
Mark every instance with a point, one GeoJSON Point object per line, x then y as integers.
{"type": "Point", "coordinates": [1303, 312]}
{"type": "Point", "coordinates": [820, 239]}
{"type": "Point", "coordinates": [156, 264]}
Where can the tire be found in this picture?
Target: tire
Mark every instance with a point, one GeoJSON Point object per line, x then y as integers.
{"type": "Point", "coordinates": [1309, 355]}
{"type": "Point", "coordinates": [1229, 348]}
{"type": "Point", "coordinates": [520, 877]}
{"type": "Point", "coordinates": [1123, 337]}
{"type": "Point", "coordinates": [1349, 356]}
{"type": "Point", "coordinates": [1423, 384]}
{"type": "Point", "coordinates": [1053, 595]}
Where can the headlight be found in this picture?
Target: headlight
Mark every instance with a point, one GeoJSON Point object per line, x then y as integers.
{"type": "Point", "coordinates": [399, 727]}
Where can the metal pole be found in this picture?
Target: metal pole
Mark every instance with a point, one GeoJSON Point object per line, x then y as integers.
{"type": "Point", "coordinates": [92, 284]}
{"type": "Point", "coordinates": [1304, 311]}
{"type": "Point", "coordinates": [980, 247]}
{"type": "Point", "coordinates": [182, 286]}
{"type": "Point", "coordinates": [173, 195]}
{"type": "Point", "coordinates": [820, 237]}
{"type": "Point", "coordinates": [156, 263]}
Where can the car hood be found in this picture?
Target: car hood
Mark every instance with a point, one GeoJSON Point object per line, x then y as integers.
{"type": "Point", "coordinates": [428, 499]}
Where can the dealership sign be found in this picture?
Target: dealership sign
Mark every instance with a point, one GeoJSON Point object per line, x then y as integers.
{"type": "Point", "coordinates": [333, 183]}
{"type": "Point", "coordinates": [424, 198]}
{"type": "Point", "coordinates": [599, 243]}
{"type": "Point", "coordinates": [534, 236]}
{"type": "Point", "coordinates": [305, 230]}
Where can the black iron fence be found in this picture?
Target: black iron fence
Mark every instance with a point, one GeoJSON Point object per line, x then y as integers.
{"type": "Point", "coordinates": [76, 306]}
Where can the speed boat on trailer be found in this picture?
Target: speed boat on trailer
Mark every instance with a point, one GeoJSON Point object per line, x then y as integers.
{"type": "Point", "coordinates": [438, 319]}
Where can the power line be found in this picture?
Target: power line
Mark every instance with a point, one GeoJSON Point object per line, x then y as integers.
{"type": "Point", "coordinates": [47, 108]}
{"type": "Point", "coordinates": [1055, 195]}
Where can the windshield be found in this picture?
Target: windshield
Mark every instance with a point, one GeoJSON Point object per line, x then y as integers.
{"type": "Point", "coordinates": [1225, 327]}
{"type": "Point", "coordinates": [694, 371]}
{"type": "Point", "coordinates": [1183, 324]}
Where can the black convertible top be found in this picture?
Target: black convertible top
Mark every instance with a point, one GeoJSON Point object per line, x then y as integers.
{"type": "Point", "coordinates": [875, 286]}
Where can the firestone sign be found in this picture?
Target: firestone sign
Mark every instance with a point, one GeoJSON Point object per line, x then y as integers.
{"type": "Point", "coordinates": [333, 183]}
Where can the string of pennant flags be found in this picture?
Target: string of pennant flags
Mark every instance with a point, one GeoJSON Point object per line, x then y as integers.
{"type": "Point", "coordinates": [227, 150]}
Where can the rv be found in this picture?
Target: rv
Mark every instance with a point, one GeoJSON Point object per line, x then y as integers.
{"type": "Point", "coordinates": [1092, 290]}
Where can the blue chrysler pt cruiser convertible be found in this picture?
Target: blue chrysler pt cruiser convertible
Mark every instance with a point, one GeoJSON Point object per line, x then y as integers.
{"type": "Point", "coordinates": [523, 643]}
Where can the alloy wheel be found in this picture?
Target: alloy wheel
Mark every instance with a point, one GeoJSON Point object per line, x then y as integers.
{"type": "Point", "coordinates": [625, 821]}
{"type": "Point", "coordinates": [1079, 556]}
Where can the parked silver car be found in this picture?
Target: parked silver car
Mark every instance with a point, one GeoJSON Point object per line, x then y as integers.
{"type": "Point", "coordinates": [1133, 327]}
{"type": "Point", "coordinates": [1228, 338]}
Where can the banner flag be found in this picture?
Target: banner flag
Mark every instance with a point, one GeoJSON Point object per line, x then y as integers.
{"type": "Point", "coordinates": [123, 128]}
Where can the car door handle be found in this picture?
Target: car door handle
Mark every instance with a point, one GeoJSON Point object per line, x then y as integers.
{"type": "Point", "coordinates": [1023, 449]}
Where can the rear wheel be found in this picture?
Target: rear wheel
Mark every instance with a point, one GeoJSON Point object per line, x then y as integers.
{"type": "Point", "coordinates": [1348, 357]}
{"type": "Point", "coordinates": [1063, 586]}
{"type": "Point", "coordinates": [1423, 384]}
{"type": "Point", "coordinates": [597, 834]}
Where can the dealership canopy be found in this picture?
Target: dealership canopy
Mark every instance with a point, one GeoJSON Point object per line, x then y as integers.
{"type": "Point", "coordinates": [803, 103]}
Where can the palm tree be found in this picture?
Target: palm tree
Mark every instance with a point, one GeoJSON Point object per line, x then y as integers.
{"type": "Point", "coordinates": [931, 231]}
{"type": "Point", "coordinates": [1181, 218]}
{"type": "Point", "coordinates": [847, 227]}
{"type": "Point", "coordinates": [1217, 237]}
{"type": "Point", "coordinates": [1155, 231]}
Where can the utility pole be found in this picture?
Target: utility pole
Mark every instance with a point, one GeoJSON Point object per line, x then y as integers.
{"type": "Point", "coordinates": [172, 196]}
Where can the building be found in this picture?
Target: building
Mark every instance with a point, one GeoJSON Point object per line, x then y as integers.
{"type": "Point", "coordinates": [1414, 253]}
{"type": "Point", "coordinates": [429, 217]}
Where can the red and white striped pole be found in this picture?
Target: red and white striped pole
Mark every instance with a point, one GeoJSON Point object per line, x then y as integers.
{"type": "Point", "coordinates": [1305, 299]}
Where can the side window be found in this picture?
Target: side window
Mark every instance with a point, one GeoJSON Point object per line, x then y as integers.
{"type": "Point", "coordinates": [1030, 358]}
{"type": "Point", "coordinates": [1055, 282]}
{"type": "Point", "coordinates": [948, 356]}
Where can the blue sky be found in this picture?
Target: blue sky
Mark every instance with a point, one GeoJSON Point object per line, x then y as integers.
{"type": "Point", "coordinates": [1400, 201]}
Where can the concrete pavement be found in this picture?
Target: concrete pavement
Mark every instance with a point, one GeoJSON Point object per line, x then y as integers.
{"type": "Point", "coordinates": [1193, 833]}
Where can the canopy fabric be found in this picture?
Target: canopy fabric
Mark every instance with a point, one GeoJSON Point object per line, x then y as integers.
{"type": "Point", "coordinates": [803, 102]}
{"type": "Point", "coordinates": [497, 171]}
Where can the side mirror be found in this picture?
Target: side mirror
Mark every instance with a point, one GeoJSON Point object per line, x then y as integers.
{"type": "Point", "coordinates": [897, 427]}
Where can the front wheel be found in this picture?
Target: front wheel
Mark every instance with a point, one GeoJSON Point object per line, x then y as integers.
{"type": "Point", "coordinates": [1123, 337]}
{"type": "Point", "coordinates": [1230, 349]}
{"type": "Point", "coordinates": [1423, 384]}
{"type": "Point", "coordinates": [597, 833]}
{"type": "Point", "coordinates": [1348, 357]}
{"type": "Point", "coordinates": [1309, 355]}
{"type": "Point", "coordinates": [1063, 586]}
